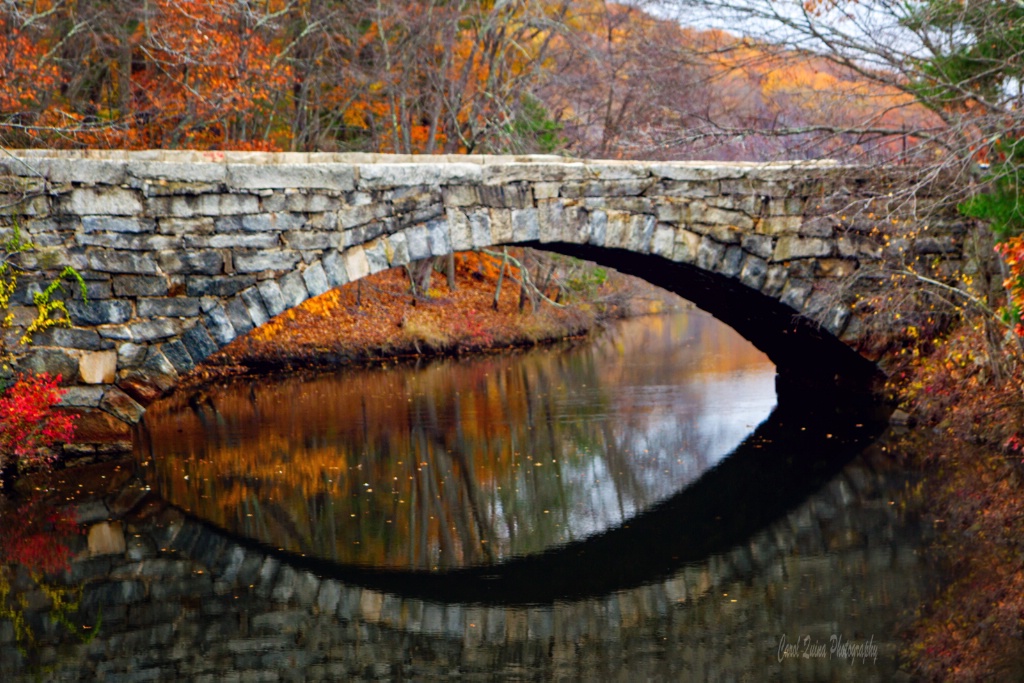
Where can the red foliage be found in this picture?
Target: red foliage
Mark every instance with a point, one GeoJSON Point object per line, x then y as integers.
{"type": "Point", "coordinates": [29, 427]}
{"type": "Point", "coordinates": [33, 534]}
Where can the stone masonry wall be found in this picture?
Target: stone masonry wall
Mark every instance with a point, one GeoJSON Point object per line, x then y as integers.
{"type": "Point", "coordinates": [185, 251]}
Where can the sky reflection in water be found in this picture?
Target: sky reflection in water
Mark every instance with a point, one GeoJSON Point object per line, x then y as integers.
{"type": "Point", "coordinates": [464, 462]}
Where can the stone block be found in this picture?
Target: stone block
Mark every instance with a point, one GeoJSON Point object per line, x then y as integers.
{"type": "Point", "coordinates": [254, 306]}
{"type": "Point", "coordinates": [293, 289]}
{"type": "Point", "coordinates": [398, 249]}
{"type": "Point", "coordinates": [479, 228]}
{"type": "Point", "coordinates": [139, 285]}
{"type": "Point", "coordinates": [795, 294]}
{"type": "Point", "coordinates": [459, 230]}
{"type": "Point", "coordinates": [303, 240]}
{"type": "Point", "coordinates": [238, 314]}
{"type": "Point", "coordinates": [219, 326]}
{"type": "Point", "coordinates": [334, 269]}
{"type": "Point", "coordinates": [152, 330]}
{"type": "Point", "coordinates": [108, 312]}
{"type": "Point", "coordinates": [732, 261]}
{"type": "Point", "coordinates": [86, 397]}
{"type": "Point", "coordinates": [109, 261]}
{"type": "Point", "coordinates": [461, 195]}
{"type": "Point", "coordinates": [598, 228]}
{"type": "Point", "coordinates": [270, 259]}
{"type": "Point", "coordinates": [191, 262]}
{"type": "Point", "coordinates": [377, 255]}
{"type": "Point", "coordinates": [69, 338]}
{"type": "Point", "coordinates": [273, 299]}
{"type": "Point", "coordinates": [218, 286]}
{"type": "Point", "coordinates": [315, 279]}
{"type": "Point", "coordinates": [780, 225]}
{"type": "Point", "coordinates": [170, 307]}
{"type": "Point", "coordinates": [501, 226]}
{"type": "Point", "coordinates": [385, 175]}
{"type": "Point", "coordinates": [185, 226]}
{"type": "Point", "coordinates": [356, 263]}
{"type": "Point", "coordinates": [234, 240]}
{"type": "Point", "coordinates": [417, 242]}
{"type": "Point", "coordinates": [199, 343]}
{"type": "Point", "coordinates": [114, 201]}
{"type": "Point", "coordinates": [106, 538]}
{"type": "Point", "coordinates": [117, 224]}
{"type": "Point", "coordinates": [121, 405]}
{"type": "Point", "coordinates": [687, 246]}
{"type": "Point", "coordinates": [641, 233]}
{"type": "Point", "coordinates": [758, 245]}
{"type": "Point", "coordinates": [709, 254]}
{"type": "Point", "coordinates": [340, 177]}
{"type": "Point", "coordinates": [438, 237]}
{"type": "Point", "coordinates": [663, 242]}
{"type": "Point", "coordinates": [789, 247]}
{"type": "Point", "coordinates": [178, 355]}
{"type": "Point", "coordinates": [97, 367]}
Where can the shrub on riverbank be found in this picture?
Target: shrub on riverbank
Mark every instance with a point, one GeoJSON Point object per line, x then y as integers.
{"type": "Point", "coordinates": [972, 400]}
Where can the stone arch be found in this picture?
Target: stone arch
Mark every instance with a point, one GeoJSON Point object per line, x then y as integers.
{"type": "Point", "coordinates": [185, 251]}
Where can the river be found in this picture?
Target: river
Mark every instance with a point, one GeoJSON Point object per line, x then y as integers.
{"type": "Point", "coordinates": [636, 506]}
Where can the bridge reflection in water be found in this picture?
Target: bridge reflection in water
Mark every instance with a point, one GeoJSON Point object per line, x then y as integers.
{"type": "Point", "coordinates": [186, 601]}
{"type": "Point", "coordinates": [704, 566]}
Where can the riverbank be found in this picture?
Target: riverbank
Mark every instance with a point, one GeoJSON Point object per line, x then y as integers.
{"type": "Point", "coordinates": [379, 318]}
{"type": "Point", "coordinates": [970, 417]}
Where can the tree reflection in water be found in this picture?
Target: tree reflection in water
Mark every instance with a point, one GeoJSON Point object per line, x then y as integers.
{"type": "Point", "coordinates": [463, 462]}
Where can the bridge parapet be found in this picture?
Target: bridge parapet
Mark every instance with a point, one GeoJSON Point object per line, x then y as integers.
{"type": "Point", "coordinates": [185, 251]}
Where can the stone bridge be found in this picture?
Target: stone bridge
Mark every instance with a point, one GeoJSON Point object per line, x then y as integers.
{"type": "Point", "coordinates": [185, 251]}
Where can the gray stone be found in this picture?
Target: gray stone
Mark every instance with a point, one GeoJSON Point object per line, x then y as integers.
{"type": "Point", "coordinates": [198, 342]}
{"type": "Point", "coordinates": [480, 229]}
{"type": "Point", "coordinates": [110, 202]}
{"type": "Point", "coordinates": [273, 222]}
{"type": "Point", "coordinates": [177, 353]}
{"type": "Point", "coordinates": [377, 256]}
{"type": "Point", "coordinates": [273, 298]}
{"type": "Point", "coordinates": [754, 272]}
{"type": "Point", "coordinates": [417, 242]}
{"type": "Point", "coordinates": [789, 247]}
{"type": "Point", "coordinates": [238, 314]}
{"type": "Point", "coordinates": [254, 306]}
{"type": "Point", "coordinates": [525, 225]}
{"type": "Point", "coordinates": [122, 406]}
{"type": "Point", "coordinates": [192, 262]}
{"type": "Point", "coordinates": [110, 312]}
{"type": "Point", "coordinates": [305, 241]}
{"type": "Point", "coordinates": [140, 285]}
{"type": "Point", "coordinates": [399, 249]}
{"type": "Point", "coordinates": [233, 240]}
{"type": "Point", "coordinates": [117, 224]}
{"type": "Point", "coordinates": [759, 245]}
{"type": "Point", "coordinates": [732, 261]}
{"type": "Point", "coordinates": [152, 330]}
{"type": "Point", "coordinates": [130, 354]}
{"type": "Point", "coordinates": [172, 307]}
{"type": "Point", "coordinates": [225, 285]}
{"type": "Point", "coordinates": [274, 176]}
{"type": "Point", "coordinates": [709, 253]}
{"type": "Point", "coordinates": [85, 397]}
{"type": "Point", "coordinates": [315, 279]}
{"type": "Point", "coordinates": [334, 269]}
{"type": "Point", "coordinates": [107, 261]}
{"type": "Point", "coordinates": [437, 236]}
{"type": "Point", "coordinates": [69, 338]}
{"type": "Point", "coordinates": [266, 260]}
{"type": "Point", "coordinates": [293, 289]}
{"type": "Point", "coordinates": [219, 326]}
{"type": "Point", "coordinates": [795, 294]}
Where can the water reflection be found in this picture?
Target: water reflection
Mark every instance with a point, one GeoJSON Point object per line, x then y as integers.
{"type": "Point", "coordinates": [464, 463]}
